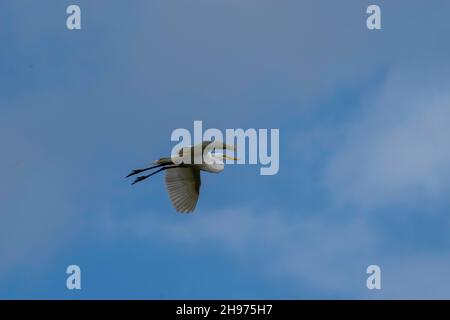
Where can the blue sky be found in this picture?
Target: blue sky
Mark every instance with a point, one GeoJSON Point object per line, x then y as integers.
{"type": "Point", "coordinates": [364, 153]}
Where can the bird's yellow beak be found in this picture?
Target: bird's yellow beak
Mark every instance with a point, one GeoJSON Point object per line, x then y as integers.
{"type": "Point", "coordinates": [231, 148]}
{"type": "Point", "coordinates": [230, 158]}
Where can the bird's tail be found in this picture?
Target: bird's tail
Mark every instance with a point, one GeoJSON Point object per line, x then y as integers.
{"type": "Point", "coordinates": [163, 161]}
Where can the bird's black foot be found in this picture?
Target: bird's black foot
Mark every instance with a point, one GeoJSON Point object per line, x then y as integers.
{"type": "Point", "coordinates": [139, 179]}
{"type": "Point", "coordinates": [134, 172]}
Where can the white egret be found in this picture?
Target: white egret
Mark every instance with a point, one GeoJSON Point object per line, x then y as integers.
{"type": "Point", "coordinates": [183, 177]}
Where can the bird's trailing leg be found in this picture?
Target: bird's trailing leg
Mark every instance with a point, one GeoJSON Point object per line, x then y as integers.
{"type": "Point", "coordinates": [139, 179]}
{"type": "Point", "coordinates": [137, 171]}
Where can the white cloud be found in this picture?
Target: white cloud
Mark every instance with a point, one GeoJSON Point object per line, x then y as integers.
{"type": "Point", "coordinates": [399, 148]}
{"type": "Point", "coordinates": [303, 252]}
{"type": "Point", "coordinates": [211, 64]}
{"type": "Point", "coordinates": [313, 256]}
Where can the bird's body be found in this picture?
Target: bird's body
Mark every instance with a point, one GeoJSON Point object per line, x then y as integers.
{"type": "Point", "coordinates": [183, 172]}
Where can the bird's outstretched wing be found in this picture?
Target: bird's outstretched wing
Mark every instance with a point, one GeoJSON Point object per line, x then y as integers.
{"type": "Point", "coordinates": [183, 185]}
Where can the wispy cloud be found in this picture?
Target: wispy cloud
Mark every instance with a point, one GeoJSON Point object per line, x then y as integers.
{"type": "Point", "coordinates": [304, 252]}
{"type": "Point", "coordinates": [398, 149]}
{"type": "Point", "coordinates": [71, 121]}
{"type": "Point", "coordinates": [321, 256]}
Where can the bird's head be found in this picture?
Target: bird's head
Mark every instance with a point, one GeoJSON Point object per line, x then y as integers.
{"type": "Point", "coordinates": [218, 145]}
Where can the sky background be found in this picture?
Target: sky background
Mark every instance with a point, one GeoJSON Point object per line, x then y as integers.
{"type": "Point", "coordinates": [364, 149]}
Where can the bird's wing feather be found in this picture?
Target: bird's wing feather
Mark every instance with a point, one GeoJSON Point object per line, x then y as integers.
{"type": "Point", "coordinates": [183, 185]}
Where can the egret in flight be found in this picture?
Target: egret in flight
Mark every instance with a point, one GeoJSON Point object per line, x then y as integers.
{"type": "Point", "coordinates": [183, 177]}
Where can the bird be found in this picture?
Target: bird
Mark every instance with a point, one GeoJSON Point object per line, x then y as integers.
{"type": "Point", "coordinates": [183, 171]}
